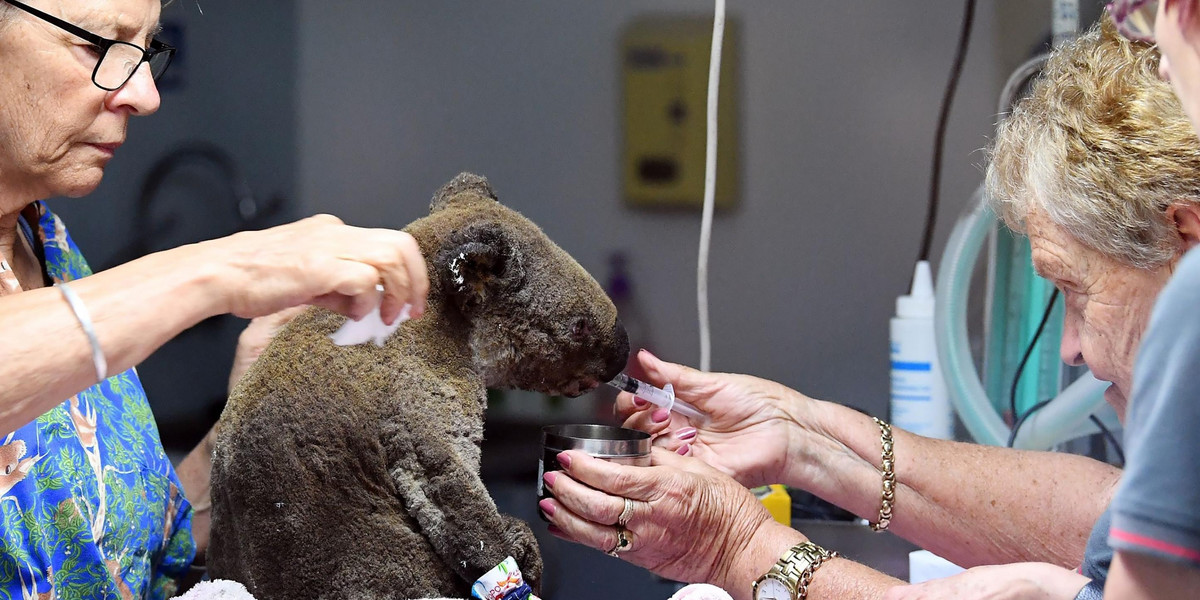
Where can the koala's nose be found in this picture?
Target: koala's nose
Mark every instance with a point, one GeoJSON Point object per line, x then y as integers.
{"type": "Point", "coordinates": [619, 352]}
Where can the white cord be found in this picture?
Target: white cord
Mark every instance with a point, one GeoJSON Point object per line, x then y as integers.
{"type": "Point", "coordinates": [710, 180]}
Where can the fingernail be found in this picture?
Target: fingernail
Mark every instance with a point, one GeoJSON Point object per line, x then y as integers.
{"type": "Point", "coordinates": [555, 531]}
{"type": "Point", "coordinates": [549, 478]}
{"type": "Point", "coordinates": [660, 415]}
{"type": "Point", "coordinates": [684, 450]}
{"type": "Point", "coordinates": [638, 402]}
{"type": "Point", "coordinates": [686, 433]}
{"type": "Point", "coordinates": [564, 460]}
{"type": "Point", "coordinates": [547, 507]}
{"type": "Point", "coordinates": [647, 353]}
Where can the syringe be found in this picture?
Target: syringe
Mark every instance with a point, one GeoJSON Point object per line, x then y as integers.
{"type": "Point", "coordinates": [662, 398]}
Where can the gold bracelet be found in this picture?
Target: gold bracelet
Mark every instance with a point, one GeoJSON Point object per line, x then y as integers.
{"type": "Point", "coordinates": [889, 478]}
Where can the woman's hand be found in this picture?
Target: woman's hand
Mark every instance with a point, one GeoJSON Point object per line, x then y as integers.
{"type": "Point", "coordinates": [255, 337]}
{"type": "Point", "coordinates": [750, 427]}
{"type": "Point", "coordinates": [689, 523]}
{"type": "Point", "coordinates": [1018, 581]}
{"type": "Point", "coordinates": [321, 261]}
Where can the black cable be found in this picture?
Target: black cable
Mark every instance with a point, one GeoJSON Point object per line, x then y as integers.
{"type": "Point", "coordinates": [1012, 391]}
{"type": "Point", "coordinates": [1012, 437]}
{"type": "Point", "coordinates": [1112, 439]}
{"type": "Point", "coordinates": [964, 38]}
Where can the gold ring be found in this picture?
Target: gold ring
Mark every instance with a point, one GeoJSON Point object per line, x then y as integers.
{"type": "Point", "coordinates": [623, 520]}
{"type": "Point", "coordinates": [623, 542]}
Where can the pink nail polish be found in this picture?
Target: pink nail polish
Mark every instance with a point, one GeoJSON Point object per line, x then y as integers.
{"type": "Point", "coordinates": [647, 353]}
{"type": "Point", "coordinates": [564, 460]}
{"type": "Point", "coordinates": [547, 507]}
{"type": "Point", "coordinates": [638, 402]}
{"type": "Point", "coordinates": [686, 433]}
{"type": "Point", "coordinates": [549, 478]}
{"type": "Point", "coordinates": [554, 530]}
{"type": "Point", "coordinates": [660, 415]}
{"type": "Point", "coordinates": [683, 450]}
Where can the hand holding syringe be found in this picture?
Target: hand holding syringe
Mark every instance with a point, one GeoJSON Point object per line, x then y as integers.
{"type": "Point", "coordinates": [662, 398]}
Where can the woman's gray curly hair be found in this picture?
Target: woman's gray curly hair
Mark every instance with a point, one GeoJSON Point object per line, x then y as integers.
{"type": "Point", "coordinates": [1102, 146]}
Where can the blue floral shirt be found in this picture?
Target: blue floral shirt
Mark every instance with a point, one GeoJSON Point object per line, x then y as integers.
{"type": "Point", "coordinates": [90, 506]}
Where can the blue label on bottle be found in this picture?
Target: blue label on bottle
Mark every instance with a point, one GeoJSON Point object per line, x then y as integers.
{"type": "Point", "coordinates": [911, 366]}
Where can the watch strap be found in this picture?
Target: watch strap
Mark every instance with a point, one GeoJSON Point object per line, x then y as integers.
{"type": "Point", "coordinates": [797, 566]}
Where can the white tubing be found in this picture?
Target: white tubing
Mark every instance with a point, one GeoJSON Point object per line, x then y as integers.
{"type": "Point", "coordinates": [1063, 419]}
{"type": "Point", "coordinates": [1066, 418]}
{"type": "Point", "coordinates": [710, 181]}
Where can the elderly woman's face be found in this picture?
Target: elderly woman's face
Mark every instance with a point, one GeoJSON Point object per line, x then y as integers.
{"type": "Point", "coordinates": [1107, 304]}
{"type": "Point", "coordinates": [57, 129]}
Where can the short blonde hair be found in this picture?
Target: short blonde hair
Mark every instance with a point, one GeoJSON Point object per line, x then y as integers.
{"type": "Point", "coordinates": [1103, 147]}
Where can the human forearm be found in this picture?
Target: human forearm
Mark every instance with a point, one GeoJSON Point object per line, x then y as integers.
{"type": "Point", "coordinates": [1141, 577]}
{"type": "Point", "coordinates": [134, 308]}
{"type": "Point", "coordinates": [969, 503]}
{"type": "Point", "coordinates": [838, 578]}
{"type": "Point", "coordinates": [194, 473]}
{"type": "Point", "coordinates": [138, 306]}
{"type": "Point", "coordinates": [1024, 581]}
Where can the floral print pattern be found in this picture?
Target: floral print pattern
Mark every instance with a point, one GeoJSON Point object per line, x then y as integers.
{"type": "Point", "coordinates": [90, 506]}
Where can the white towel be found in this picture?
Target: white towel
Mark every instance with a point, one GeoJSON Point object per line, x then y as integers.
{"type": "Point", "coordinates": [369, 328]}
{"type": "Point", "coordinates": [701, 591]}
{"type": "Point", "coordinates": [218, 589]}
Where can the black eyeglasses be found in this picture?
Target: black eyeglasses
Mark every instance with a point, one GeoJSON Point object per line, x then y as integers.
{"type": "Point", "coordinates": [118, 60]}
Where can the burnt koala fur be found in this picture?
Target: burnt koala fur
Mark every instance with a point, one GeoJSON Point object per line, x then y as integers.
{"type": "Point", "coordinates": [353, 472]}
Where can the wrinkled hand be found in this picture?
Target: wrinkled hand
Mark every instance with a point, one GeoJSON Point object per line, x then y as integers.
{"type": "Point", "coordinates": [750, 423]}
{"type": "Point", "coordinates": [321, 261]}
{"type": "Point", "coordinates": [1018, 581]}
{"type": "Point", "coordinates": [255, 337]}
{"type": "Point", "coordinates": [690, 523]}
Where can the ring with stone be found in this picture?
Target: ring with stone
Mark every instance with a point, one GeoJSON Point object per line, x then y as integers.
{"type": "Point", "coordinates": [623, 542]}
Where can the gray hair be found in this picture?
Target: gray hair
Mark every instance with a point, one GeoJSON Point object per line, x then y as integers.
{"type": "Point", "coordinates": [1102, 146]}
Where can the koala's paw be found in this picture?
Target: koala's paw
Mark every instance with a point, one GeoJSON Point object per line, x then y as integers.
{"type": "Point", "coordinates": [520, 539]}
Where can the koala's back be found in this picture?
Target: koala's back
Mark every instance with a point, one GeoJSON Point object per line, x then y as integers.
{"type": "Point", "coordinates": [306, 498]}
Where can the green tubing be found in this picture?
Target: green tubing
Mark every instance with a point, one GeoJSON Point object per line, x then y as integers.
{"type": "Point", "coordinates": [1062, 419]}
{"type": "Point", "coordinates": [950, 324]}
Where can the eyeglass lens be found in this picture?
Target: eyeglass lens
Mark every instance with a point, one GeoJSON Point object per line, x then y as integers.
{"type": "Point", "coordinates": [122, 61]}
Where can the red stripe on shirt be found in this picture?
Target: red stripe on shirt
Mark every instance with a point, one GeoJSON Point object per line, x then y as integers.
{"type": "Point", "coordinates": [1155, 544]}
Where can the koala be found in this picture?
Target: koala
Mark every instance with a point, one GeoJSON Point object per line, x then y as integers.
{"type": "Point", "coordinates": [353, 472]}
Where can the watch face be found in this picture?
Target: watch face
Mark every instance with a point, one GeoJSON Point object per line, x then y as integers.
{"type": "Point", "coordinates": [772, 589]}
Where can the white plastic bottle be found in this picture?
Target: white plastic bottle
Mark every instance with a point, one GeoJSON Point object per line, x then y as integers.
{"type": "Point", "coordinates": [919, 401]}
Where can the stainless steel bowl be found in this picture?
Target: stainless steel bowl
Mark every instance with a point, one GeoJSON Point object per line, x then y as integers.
{"type": "Point", "coordinates": [617, 444]}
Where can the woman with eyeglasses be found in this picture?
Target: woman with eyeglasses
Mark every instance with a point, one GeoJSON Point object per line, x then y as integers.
{"type": "Point", "coordinates": [90, 506]}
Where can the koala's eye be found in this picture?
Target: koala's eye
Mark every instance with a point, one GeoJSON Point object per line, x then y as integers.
{"type": "Point", "coordinates": [581, 330]}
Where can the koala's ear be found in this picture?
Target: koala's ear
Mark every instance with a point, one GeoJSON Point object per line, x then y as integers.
{"type": "Point", "coordinates": [484, 263]}
{"type": "Point", "coordinates": [467, 187]}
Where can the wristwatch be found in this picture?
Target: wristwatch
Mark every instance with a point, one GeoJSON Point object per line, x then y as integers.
{"type": "Point", "coordinates": [789, 577]}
